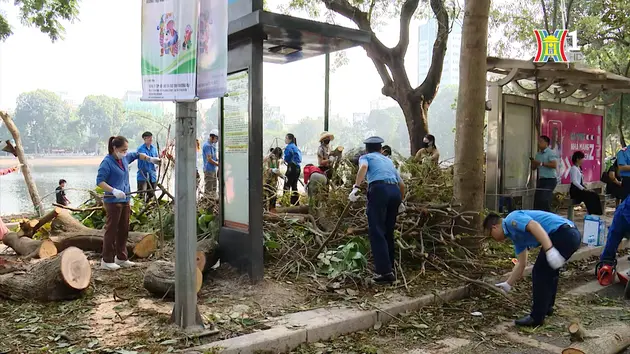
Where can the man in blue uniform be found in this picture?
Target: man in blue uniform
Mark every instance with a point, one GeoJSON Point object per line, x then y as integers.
{"type": "Point", "coordinates": [529, 229]}
{"type": "Point", "coordinates": [384, 194]}
{"type": "Point", "coordinates": [619, 228]}
{"type": "Point", "coordinates": [147, 177]}
{"type": "Point", "coordinates": [623, 160]}
{"type": "Point", "coordinates": [210, 165]}
{"type": "Point", "coordinates": [546, 163]}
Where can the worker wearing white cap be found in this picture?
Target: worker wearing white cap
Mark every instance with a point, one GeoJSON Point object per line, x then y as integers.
{"type": "Point", "coordinates": [384, 194]}
{"type": "Point", "coordinates": [210, 164]}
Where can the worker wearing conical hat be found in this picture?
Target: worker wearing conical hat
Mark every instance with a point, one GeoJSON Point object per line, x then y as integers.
{"type": "Point", "coordinates": [323, 152]}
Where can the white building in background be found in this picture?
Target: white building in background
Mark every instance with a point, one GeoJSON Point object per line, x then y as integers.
{"type": "Point", "coordinates": [427, 33]}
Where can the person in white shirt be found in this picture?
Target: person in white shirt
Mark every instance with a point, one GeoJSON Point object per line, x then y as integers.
{"type": "Point", "coordinates": [577, 191]}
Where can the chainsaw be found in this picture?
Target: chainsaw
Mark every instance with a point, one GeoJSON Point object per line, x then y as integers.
{"type": "Point", "coordinates": [605, 273]}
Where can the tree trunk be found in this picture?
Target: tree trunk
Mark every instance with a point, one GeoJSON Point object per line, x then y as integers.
{"type": "Point", "coordinates": [26, 170]}
{"type": "Point", "coordinates": [611, 339]}
{"type": "Point", "coordinates": [622, 140]}
{"type": "Point", "coordinates": [416, 113]}
{"type": "Point", "coordinates": [468, 173]}
{"type": "Point", "coordinates": [28, 248]}
{"type": "Point", "coordinates": [159, 279]}
{"type": "Point", "coordinates": [63, 277]}
{"type": "Point", "coordinates": [29, 228]}
{"type": "Point", "coordinates": [207, 254]}
{"type": "Point", "coordinates": [68, 231]}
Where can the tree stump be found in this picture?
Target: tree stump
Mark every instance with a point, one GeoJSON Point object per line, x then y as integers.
{"type": "Point", "coordinates": [29, 248]}
{"type": "Point", "coordinates": [62, 277]}
{"type": "Point", "coordinates": [159, 279]}
{"type": "Point", "coordinates": [610, 339]}
{"type": "Point", "coordinates": [207, 254]}
{"type": "Point", "coordinates": [68, 232]}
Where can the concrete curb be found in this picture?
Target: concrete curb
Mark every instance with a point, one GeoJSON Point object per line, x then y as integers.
{"type": "Point", "coordinates": [289, 331]}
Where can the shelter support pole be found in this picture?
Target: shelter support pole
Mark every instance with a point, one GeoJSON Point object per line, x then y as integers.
{"type": "Point", "coordinates": [327, 92]}
{"type": "Point", "coordinates": [185, 312]}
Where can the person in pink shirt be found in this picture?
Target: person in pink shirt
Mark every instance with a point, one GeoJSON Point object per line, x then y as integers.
{"type": "Point", "coordinates": [3, 228]}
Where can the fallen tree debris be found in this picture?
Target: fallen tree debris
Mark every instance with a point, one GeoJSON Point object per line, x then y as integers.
{"type": "Point", "coordinates": [28, 248]}
{"type": "Point", "coordinates": [611, 339]}
{"type": "Point", "coordinates": [159, 279]}
{"type": "Point", "coordinates": [207, 254]}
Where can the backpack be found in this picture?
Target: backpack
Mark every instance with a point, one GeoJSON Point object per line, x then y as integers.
{"type": "Point", "coordinates": [309, 170]}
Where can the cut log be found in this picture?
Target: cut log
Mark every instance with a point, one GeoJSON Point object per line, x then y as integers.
{"type": "Point", "coordinates": [63, 277]}
{"type": "Point", "coordinates": [302, 209]}
{"type": "Point", "coordinates": [207, 254]}
{"type": "Point", "coordinates": [28, 228]}
{"type": "Point", "coordinates": [577, 332]}
{"type": "Point", "coordinates": [29, 248]}
{"type": "Point", "coordinates": [159, 279]}
{"type": "Point", "coordinates": [68, 232]}
{"type": "Point", "coordinates": [611, 339]}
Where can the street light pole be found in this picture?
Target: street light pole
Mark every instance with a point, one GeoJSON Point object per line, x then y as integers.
{"type": "Point", "coordinates": [327, 93]}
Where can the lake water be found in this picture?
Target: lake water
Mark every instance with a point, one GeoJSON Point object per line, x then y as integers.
{"type": "Point", "coordinates": [79, 172]}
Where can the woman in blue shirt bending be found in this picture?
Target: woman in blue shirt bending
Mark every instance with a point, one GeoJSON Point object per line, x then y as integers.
{"type": "Point", "coordinates": [293, 159]}
{"type": "Point", "coordinates": [113, 178]}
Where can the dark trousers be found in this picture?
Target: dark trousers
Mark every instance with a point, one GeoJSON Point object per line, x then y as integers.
{"type": "Point", "coordinates": [382, 209]}
{"type": "Point", "coordinates": [544, 278]}
{"type": "Point", "coordinates": [293, 176]}
{"type": "Point", "coordinates": [145, 186]}
{"type": "Point", "coordinates": [116, 231]}
{"type": "Point", "coordinates": [619, 228]}
{"type": "Point", "coordinates": [544, 193]}
{"type": "Point", "coordinates": [625, 185]}
{"type": "Point", "coordinates": [590, 199]}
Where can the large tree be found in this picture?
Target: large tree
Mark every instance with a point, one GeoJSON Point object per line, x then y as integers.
{"type": "Point", "coordinates": [390, 62]}
{"type": "Point", "coordinates": [103, 117]}
{"type": "Point", "coordinates": [469, 176]}
{"type": "Point", "coordinates": [47, 15]}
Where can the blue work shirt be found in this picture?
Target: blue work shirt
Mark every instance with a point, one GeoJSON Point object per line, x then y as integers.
{"type": "Point", "coordinates": [116, 176]}
{"type": "Point", "coordinates": [292, 154]}
{"type": "Point", "coordinates": [514, 227]}
{"type": "Point", "coordinates": [546, 156]}
{"type": "Point", "coordinates": [209, 149]}
{"type": "Point", "coordinates": [623, 159]}
{"type": "Point", "coordinates": [380, 168]}
{"type": "Point", "coordinates": [145, 168]}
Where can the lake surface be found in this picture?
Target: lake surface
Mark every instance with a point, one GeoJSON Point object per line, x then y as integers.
{"type": "Point", "coordinates": [80, 173]}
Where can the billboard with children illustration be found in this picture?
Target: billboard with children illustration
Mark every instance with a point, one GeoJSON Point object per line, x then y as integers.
{"type": "Point", "coordinates": [181, 39]}
{"type": "Point", "coordinates": [570, 132]}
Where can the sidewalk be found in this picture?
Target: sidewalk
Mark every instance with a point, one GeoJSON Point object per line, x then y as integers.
{"type": "Point", "coordinates": [288, 332]}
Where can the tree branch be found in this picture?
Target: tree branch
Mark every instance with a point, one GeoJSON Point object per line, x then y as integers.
{"type": "Point", "coordinates": [409, 7]}
{"type": "Point", "coordinates": [544, 8]}
{"type": "Point", "coordinates": [429, 86]}
{"type": "Point", "coordinates": [569, 7]}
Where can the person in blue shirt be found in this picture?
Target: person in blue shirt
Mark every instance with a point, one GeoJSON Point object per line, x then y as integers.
{"type": "Point", "coordinates": [384, 203]}
{"type": "Point", "coordinates": [113, 178]}
{"type": "Point", "coordinates": [619, 228]}
{"type": "Point", "coordinates": [147, 176]}
{"type": "Point", "coordinates": [546, 163]}
{"type": "Point", "coordinates": [623, 161]}
{"type": "Point", "coordinates": [293, 159]}
{"type": "Point", "coordinates": [210, 164]}
{"type": "Point", "coordinates": [527, 229]}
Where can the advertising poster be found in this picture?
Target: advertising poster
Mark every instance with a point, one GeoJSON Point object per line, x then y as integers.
{"type": "Point", "coordinates": [236, 152]}
{"type": "Point", "coordinates": [212, 57]}
{"type": "Point", "coordinates": [570, 132]}
{"type": "Point", "coordinates": [169, 49]}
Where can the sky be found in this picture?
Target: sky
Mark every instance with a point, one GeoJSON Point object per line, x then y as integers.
{"type": "Point", "coordinates": [100, 54]}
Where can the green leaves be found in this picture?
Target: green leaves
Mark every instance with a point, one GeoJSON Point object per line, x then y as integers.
{"type": "Point", "coordinates": [347, 260]}
{"type": "Point", "coordinates": [47, 15]}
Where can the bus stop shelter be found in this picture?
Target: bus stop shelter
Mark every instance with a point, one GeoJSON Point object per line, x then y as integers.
{"type": "Point", "coordinates": [566, 102]}
{"type": "Point", "coordinates": [256, 36]}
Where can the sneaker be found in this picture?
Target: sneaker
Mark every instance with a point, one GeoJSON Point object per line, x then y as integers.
{"type": "Point", "coordinates": [109, 266]}
{"type": "Point", "coordinates": [385, 279]}
{"type": "Point", "coordinates": [124, 264]}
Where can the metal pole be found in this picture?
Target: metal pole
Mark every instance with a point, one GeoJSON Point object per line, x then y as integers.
{"type": "Point", "coordinates": [327, 93]}
{"type": "Point", "coordinates": [185, 313]}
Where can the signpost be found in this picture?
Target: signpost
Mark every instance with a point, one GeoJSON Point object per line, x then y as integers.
{"type": "Point", "coordinates": [184, 58]}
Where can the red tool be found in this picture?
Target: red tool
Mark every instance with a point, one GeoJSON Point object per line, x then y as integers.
{"type": "Point", "coordinates": [623, 279]}
{"type": "Point", "coordinates": [605, 272]}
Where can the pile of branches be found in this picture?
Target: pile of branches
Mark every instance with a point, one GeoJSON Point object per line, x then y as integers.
{"type": "Point", "coordinates": [332, 239]}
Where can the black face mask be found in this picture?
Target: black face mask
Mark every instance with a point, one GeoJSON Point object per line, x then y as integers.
{"type": "Point", "coordinates": [425, 145]}
{"type": "Point", "coordinates": [326, 141]}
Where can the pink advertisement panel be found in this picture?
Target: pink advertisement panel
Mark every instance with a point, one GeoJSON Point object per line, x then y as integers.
{"type": "Point", "coordinates": [570, 132]}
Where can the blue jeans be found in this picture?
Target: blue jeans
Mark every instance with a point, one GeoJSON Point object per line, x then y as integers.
{"type": "Point", "coordinates": [544, 278]}
{"type": "Point", "coordinates": [617, 230]}
{"type": "Point", "coordinates": [544, 193]}
{"type": "Point", "coordinates": [382, 210]}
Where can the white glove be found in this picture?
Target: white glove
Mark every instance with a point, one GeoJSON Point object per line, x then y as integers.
{"type": "Point", "coordinates": [155, 160]}
{"type": "Point", "coordinates": [353, 197]}
{"type": "Point", "coordinates": [554, 258]}
{"type": "Point", "coordinates": [119, 194]}
{"type": "Point", "coordinates": [504, 286]}
{"type": "Point", "coordinates": [402, 208]}
{"type": "Point", "coordinates": [275, 171]}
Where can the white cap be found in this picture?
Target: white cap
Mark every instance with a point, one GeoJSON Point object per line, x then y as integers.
{"type": "Point", "coordinates": [215, 132]}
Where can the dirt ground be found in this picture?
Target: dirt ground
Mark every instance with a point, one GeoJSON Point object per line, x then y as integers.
{"type": "Point", "coordinates": [484, 323]}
